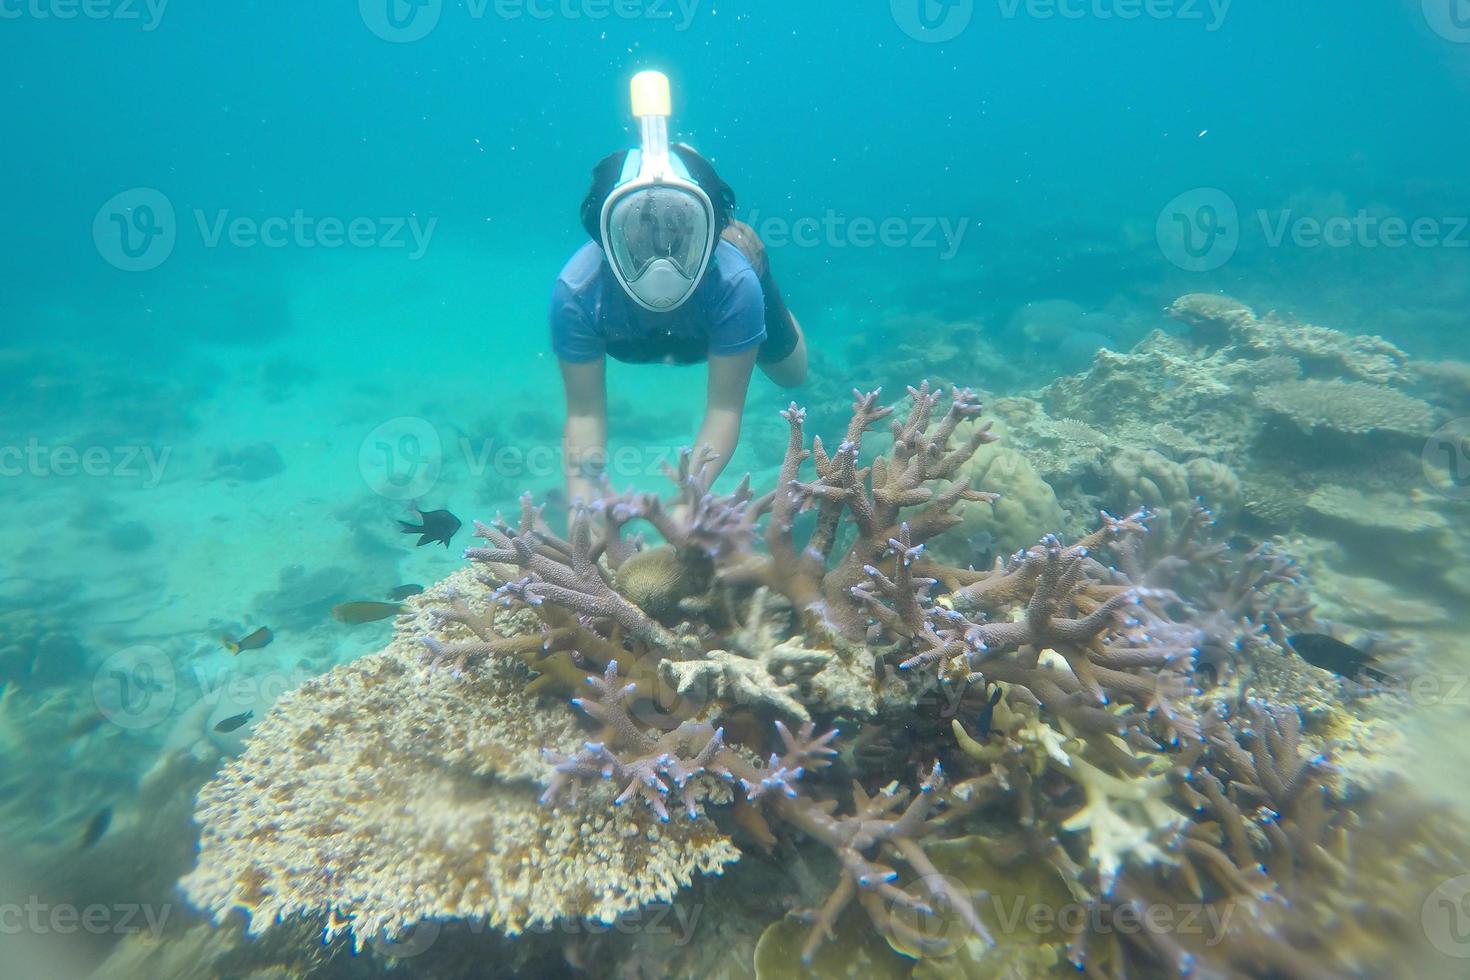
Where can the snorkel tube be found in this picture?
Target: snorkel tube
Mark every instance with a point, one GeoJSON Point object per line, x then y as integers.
{"type": "Point", "coordinates": [653, 104]}
{"type": "Point", "coordinates": [656, 185]}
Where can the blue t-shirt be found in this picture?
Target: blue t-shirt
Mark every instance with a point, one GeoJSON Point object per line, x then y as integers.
{"type": "Point", "coordinates": [590, 311]}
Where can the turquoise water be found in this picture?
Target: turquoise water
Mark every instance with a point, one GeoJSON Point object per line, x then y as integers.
{"type": "Point", "coordinates": [276, 272]}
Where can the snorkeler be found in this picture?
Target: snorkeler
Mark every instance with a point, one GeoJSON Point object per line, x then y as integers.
{"type": "Point", "coordinates": [669, 277]}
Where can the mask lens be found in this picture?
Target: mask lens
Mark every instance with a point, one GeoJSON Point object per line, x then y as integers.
{"type": "Point", "coordinates": [658, 223]}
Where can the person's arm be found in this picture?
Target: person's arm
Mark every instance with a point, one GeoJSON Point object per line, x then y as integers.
{"type": "Point", "coordinates": [584, 439]}
{"type": "Point", "coordinates": [729, 377]}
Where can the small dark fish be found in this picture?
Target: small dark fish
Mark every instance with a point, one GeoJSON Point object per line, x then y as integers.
{"type": "Point", "coordinates": [253, 641]}
{"type": "Point", "coordinates": [987, 714]}
{"type": "Point", "coordinates": [1330, 653]}
{"type": "Point", "coordinates": [354, 613]}
{"type": "Point", "coordinates": [404, 591]}
{"type": "Point", "coordinates": [96, 827]}
{"type": "Point", "coordinates": [234, 721]}
{"type": "Point", "coordinates": [434, 525]}
{"type": "Point", "coordinates": [982, 548]}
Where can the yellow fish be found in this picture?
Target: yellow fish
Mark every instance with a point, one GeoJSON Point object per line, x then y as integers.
{"type": "Point", "coordinates": [254, 641]}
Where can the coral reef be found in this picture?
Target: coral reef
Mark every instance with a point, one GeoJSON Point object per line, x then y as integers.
{"type": "Point", "coordinates": [1026, 508]}
{"type": "Point", "coordinates": [803, 671]}
{"type": "Point", "coordinates": [1145, 478]}
{"type": "Point", "coordinates": [339, 780]}
{"type": "Point", "coordinates": [1351, 407]}
{"type": "Point", "coordinates": [1220, 321]}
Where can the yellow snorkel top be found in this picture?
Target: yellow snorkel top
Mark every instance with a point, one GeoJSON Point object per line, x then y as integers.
{"type": "Point", "coordinates": [651, 95]}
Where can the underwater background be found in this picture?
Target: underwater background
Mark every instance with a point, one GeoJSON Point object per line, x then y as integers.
{"type": "Point", "coordinates": [279, 273]}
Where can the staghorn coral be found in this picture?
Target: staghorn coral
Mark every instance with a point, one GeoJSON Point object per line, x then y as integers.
{"type": "Point", "coordinates": [871, 498]}
{"type": "Point", "coordinates": [1097, 766]}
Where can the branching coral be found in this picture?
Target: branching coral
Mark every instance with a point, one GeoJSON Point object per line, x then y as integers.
{"type": "Point", "coordinates": [870, 498]}
{"type": "Point", "coordinates": [653, 767]}
{"type": "Point", "coordinates": [818, 604]}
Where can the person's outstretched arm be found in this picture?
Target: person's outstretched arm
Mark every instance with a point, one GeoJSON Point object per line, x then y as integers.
{"type": "Point", "coordinates": [729, 377]}
{"type": "Point", "coordinates": [584, 439]}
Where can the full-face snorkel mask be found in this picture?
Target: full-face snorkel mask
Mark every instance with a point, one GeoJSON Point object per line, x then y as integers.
{"type": "Point", "coordinates": [658, 225]}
